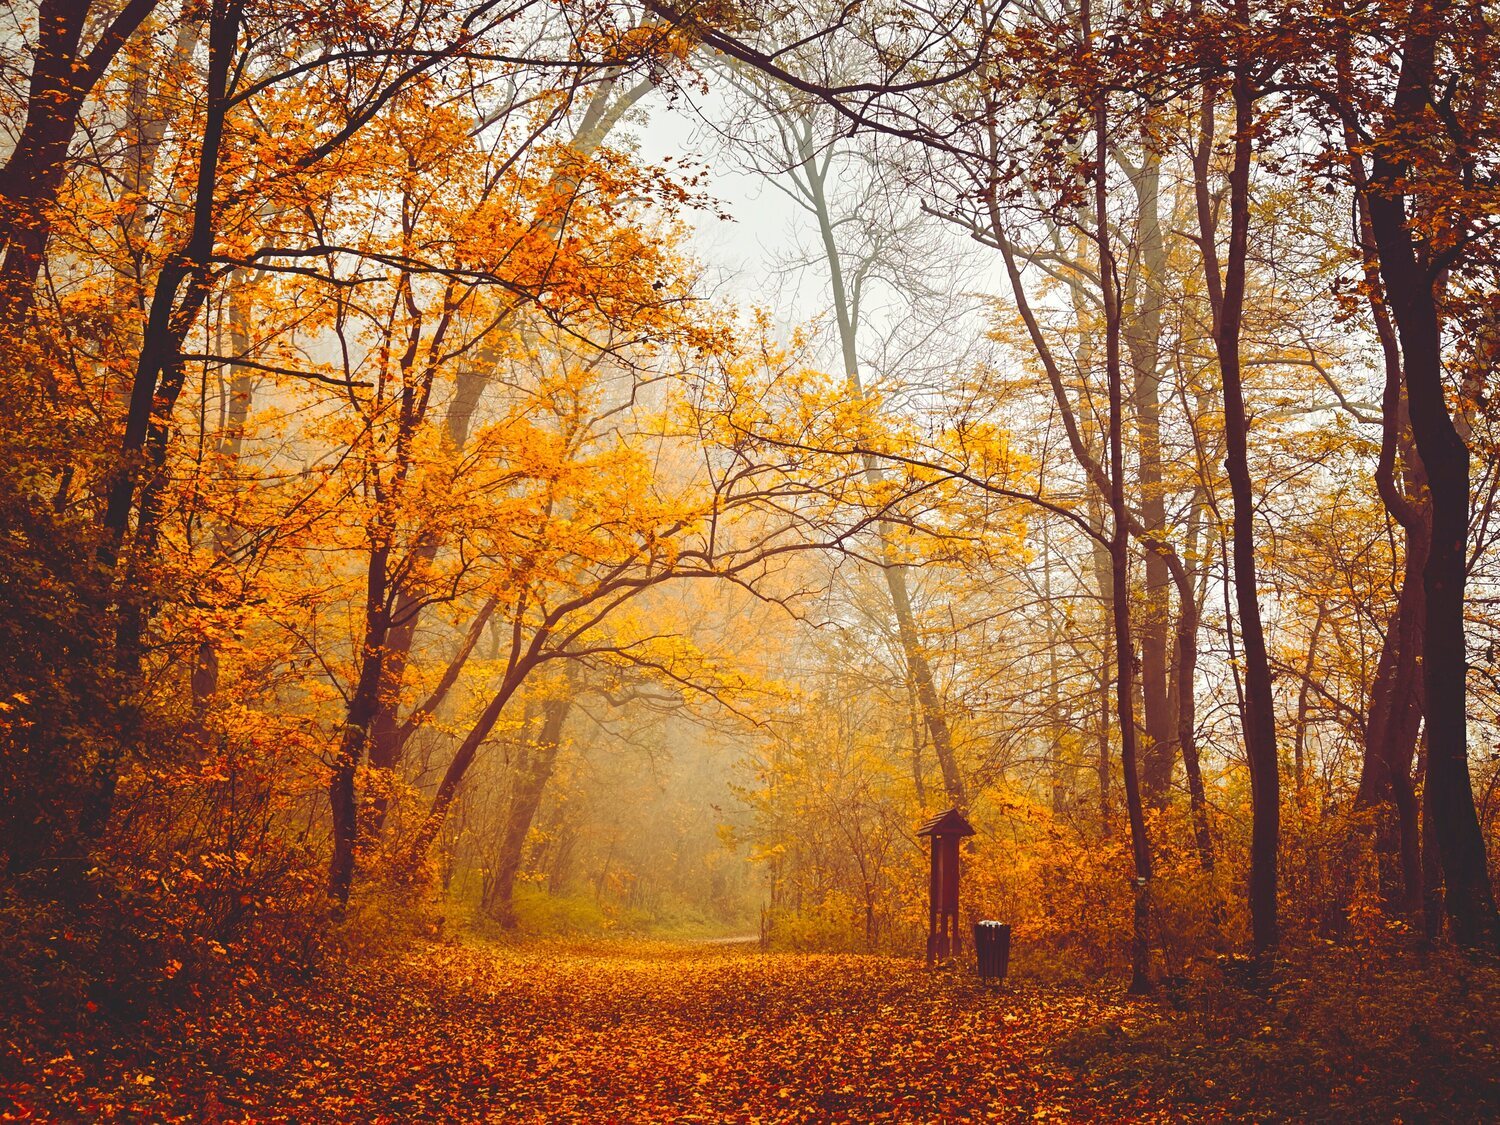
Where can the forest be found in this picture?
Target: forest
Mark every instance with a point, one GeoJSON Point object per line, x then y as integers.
{"type": "Point", "coordinates": [515, 513]}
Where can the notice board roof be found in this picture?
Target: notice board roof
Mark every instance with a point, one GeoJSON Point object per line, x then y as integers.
{"type": "Point", "coordinates": [950, 823]}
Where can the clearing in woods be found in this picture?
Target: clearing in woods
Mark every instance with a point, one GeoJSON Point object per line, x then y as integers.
{"type": "Point", "coordinates": [620, 1032]}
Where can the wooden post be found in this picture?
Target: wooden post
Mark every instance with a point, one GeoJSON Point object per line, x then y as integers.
{"type": "Point", "coordinates": [944, 938]}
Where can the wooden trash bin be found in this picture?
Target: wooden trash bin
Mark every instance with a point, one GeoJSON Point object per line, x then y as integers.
{"type": "Point", "coordinates": [992, 944]}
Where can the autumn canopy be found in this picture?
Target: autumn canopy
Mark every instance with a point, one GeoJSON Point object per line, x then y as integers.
{"type": "Point", "coordinates": [485, 476]}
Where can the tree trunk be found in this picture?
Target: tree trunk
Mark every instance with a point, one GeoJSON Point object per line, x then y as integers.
{"type": "Point", "coordinates": [1391, 731]}
{"type": "Point", "coordinates": [1103, 567]}
{"type": "Point", "coordinates": [463, 758]}
{"type": "Point", "coordinates": [159, 377]}
{"type": "Point", "coordinates": [1393, 722]}
{"type": "Point", "coordinates": [236, 413]}
{"type": "Point", "coordinates": [1153, 625]}
{"type": "Point", "coordinates": [926, 688]}
{"type": "Point", "coordinates": [530, 783]}
{"type": "Point", "coordinates": [158, 370]}
{"type": "Point", "coordinates": [355, 737]}
{"type": "Point", "coordinates": [61, 79]}
{"type": "Point", "coordinates": [1409, 280]}
{"type": "Point", "coordinates": [894, 572]}
{"type": "Point", "coordinates": [1119, 554]}
{"type": "Point", "coordinates": [1185, 712]}
{"type": "Point", "coordinates": [1304, 691]}
{"type": "Point", "coordinates": [1227, 294]}
{"type": "Point", "coordinates": [1432, 871]}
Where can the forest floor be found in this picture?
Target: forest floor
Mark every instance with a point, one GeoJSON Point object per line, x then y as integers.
{"type": "Point", "coordinates": [621, 1032]}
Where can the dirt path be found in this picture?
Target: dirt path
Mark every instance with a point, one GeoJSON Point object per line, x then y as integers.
{"type": "Point", "coordinates": [634, 1034]}
{"type": "Point", "coordinates": [734, 939]}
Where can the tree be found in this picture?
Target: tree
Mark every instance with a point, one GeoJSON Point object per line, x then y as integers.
{"type": "Point", "coordinates": [63, 74]}
{"type": "Point", "coordinates": [805, 154]}
{"type": "Point", "coordinates": [1408, 268]}
{"type": "Point", "coordinates": [1226, 286]}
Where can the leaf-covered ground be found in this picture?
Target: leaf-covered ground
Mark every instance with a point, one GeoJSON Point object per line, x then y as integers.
{"type": "Point", "coordinates": [660, 1033]}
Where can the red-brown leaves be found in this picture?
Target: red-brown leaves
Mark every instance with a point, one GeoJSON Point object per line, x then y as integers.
{"type": "Point", "coordinates": [642, 1034]}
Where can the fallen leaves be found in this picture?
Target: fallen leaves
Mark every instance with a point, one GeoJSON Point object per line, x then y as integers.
{"type": "Point", "coordinates": [620, 1032]}
{"type": "Point", "coordinates": [472, 1033]}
